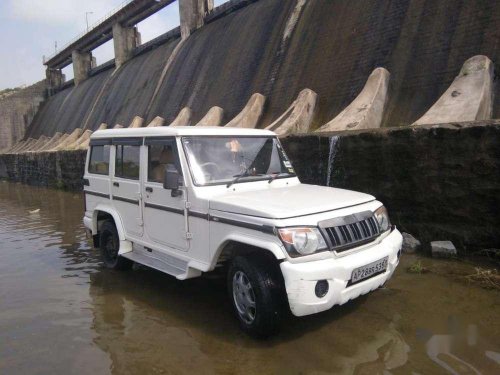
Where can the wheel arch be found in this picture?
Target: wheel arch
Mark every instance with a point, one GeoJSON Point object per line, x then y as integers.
{"type": "Point", "coordinates": [108, 212]}
{"type": "Point", "coordinates": [235, 244]}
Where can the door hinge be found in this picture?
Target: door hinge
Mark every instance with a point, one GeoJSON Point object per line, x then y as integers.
{"type": "Point", "coordinates": [189, 235]}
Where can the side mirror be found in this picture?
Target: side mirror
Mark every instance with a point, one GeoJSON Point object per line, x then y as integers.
{"type": "Point", "coordinates": [171, 181]}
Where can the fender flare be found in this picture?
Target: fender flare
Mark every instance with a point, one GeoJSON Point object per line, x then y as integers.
{"type": "Point", "coordinates": [114, 214]}
{"type": "Point", "coordinates": [273, 247]}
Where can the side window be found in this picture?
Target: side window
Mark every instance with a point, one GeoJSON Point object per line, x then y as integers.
{"type": "Point", "coordinates": [127, 162]}
{"type": "Point", "coordinates": [161, 156]}
{"type": "Point", "coordinates": [99, 159]}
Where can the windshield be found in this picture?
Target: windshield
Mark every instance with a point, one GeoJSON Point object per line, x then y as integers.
{"type": "Point", "coordinates": [219, 160]}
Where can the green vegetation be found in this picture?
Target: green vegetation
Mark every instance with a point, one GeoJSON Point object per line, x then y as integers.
{"type": "Point", "coordinates": [417, 268]}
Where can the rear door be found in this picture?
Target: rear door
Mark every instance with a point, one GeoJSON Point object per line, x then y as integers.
{"type": "Point", "coordinates": [126, 184]}
{"type": "Point", "coordinates": [164, 215]}
{"type": "Point", "coordinates": [96, 179]}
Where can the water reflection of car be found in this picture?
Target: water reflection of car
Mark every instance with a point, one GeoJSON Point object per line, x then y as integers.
{"type": "Point", "coordinates": [189, 200]}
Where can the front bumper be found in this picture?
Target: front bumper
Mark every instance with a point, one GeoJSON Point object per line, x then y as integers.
{"type": "Point", "coordinates": [301, 278]}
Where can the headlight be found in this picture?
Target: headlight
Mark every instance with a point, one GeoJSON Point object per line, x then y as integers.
{"type": "Point", "coordinates": [382, 218]}
{"type": "Point", "coordinates": [302, 241]}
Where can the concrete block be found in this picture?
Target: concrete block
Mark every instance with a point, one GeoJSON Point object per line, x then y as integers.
{"type": "Point", "coordinates": [298, 117]}
{"type": "Point", "coordinates": [212, 118]}
{"type": "Point", "coordinates": [157, 121]}
{"type": "Point", "coordinates": [183, 118]}
{"type": "Point", "coordinates": [443, 249]}
{"type": "Point", "coordinates": [367, 110]}
{"type": "Point", "coordinates": [83, 138]}
{"type": "Point", "coordinates": [29, 142]}
{"type": "Point", "coordinates": [71, 138]}
{"type": "Point", "coordinates": [250, 116]}
{"type": "Point", "coordinates": [54, 140]}
{"type": "Point", "coordinates": [469, 97]}
{"type": "Point", "coordinates": [410, 244]}
{"type": "Point", "coordinates": [38, 144]}
{"type": "Point", "coordinates": [137, 122]}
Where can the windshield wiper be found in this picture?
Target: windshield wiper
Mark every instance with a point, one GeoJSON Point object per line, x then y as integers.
{"type": "Point", "coordinates": [238, 176]}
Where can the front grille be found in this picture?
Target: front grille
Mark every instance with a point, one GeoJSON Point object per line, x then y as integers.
{"type": "Point", "coordinates": [350, 231]}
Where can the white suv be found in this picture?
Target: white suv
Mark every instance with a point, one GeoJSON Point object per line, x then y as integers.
{"type": "Point", "coordinates": [188, 200]}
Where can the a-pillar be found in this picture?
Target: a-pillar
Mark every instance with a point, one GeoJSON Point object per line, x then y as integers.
{"type": "Point", "coordinates": [125, 40]}
{"type": "Point", "coordinates": [192, 14]}
{"type": "Point", "coordinates": [82, 64]}
{"type": "Point", "coordinates": [55, 79]}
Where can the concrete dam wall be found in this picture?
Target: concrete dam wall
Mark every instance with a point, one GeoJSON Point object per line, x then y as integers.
{"type": "Point", "coordinates": [278, 48]}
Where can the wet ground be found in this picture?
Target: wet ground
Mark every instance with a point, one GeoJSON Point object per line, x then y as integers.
{"type": "Point", "coordinates": [62, 313]}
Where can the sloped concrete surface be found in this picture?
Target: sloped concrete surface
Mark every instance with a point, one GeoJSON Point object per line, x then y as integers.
{"type": "Point", "coordinates": [298, 117]}
{"type": "Point", "coordinates": [157, 121]}
{"type": "Point", "coordinates": [213, 117]}
{"type": "Point", "coordinates": [250, 115]}
{"type": "Point", "coordinates": [183, 118]}
{"type": "Point", "coordinates": [367, 110]}
{"type": "Point", "coordinates": [469, 97]}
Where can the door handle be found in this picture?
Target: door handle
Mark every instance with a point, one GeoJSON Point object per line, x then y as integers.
{"type": "Point", "coordinates": [116, 184]}
{"type": "Point", "coordinates": [149, 189]}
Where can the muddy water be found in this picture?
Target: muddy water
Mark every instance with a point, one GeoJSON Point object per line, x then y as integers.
{"type": "Point", "coordinates": [61, 312]}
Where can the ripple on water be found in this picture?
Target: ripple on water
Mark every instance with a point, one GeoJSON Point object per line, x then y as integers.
{"type": "Point", "coordinates": [60, 312]}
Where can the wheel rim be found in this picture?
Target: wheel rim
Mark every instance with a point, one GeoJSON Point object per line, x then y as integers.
{"type": "Point", "coordinates": [244, 297]}
{"type": "Point", "coordinates": [110, 249]}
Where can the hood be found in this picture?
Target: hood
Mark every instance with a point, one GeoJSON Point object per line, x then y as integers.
{"type": "Point", "coordinates": [287, 202]}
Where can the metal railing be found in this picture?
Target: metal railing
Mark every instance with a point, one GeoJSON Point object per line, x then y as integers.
{"type": "Point", "coordinates": [90, 29]}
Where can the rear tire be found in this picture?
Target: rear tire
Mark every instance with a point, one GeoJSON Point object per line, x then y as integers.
{"type": "Point", "coordinates": [109, 244]}
{"type": "Point", "coordinates": [256, 291]}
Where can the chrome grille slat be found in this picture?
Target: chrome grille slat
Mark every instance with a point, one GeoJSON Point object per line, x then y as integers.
{"type": "Point", "coordinates": [351, 231]}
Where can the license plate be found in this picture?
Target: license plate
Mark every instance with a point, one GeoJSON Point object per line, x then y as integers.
{"type": "Point", "coordinates": [369, 270]}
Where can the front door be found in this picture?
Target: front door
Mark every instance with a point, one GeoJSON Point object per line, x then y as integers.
{"type": "Point", "coordinates": [164, 214]}
{"type": "Point", "coordinates": [126, 185]}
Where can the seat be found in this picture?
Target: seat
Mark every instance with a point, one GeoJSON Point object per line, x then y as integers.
{"type": "Point", "coordinates": [166, 157]}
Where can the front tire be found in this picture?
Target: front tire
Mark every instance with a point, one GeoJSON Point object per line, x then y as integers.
{"type": "Point", "coordinates": [255, 289]}
{"type": "Point", "coordinates": [109, 244]}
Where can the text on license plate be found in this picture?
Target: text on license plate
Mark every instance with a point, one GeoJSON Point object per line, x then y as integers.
{"type": "Point", "coordinates": [368, 270]}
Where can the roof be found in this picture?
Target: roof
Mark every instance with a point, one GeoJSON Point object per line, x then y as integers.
{"type": "Point", "coordinates": [180, 131]}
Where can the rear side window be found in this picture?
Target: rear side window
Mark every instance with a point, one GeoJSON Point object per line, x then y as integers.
{"type": "Point", "coordinates": [127, 162]}
{"type": "Point", "coordinates": [99, 160]}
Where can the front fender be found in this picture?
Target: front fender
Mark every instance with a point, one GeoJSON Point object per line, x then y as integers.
{"type": "Point", "coordinates": [267, 244]}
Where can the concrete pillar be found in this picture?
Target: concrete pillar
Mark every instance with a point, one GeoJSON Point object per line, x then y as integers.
{"type": "Point", "coordinates": [55, 79]}
{"type": "Point", "coordinates": [82, 64]}
{"type": "Point", "coordinates": [125, 39]}
{"type": "Point", "coordinates": [192, 14]}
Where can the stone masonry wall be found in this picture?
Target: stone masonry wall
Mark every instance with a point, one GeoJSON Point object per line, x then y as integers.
{"type": "Point", "coordinates": [17, 110]}
{"type": "Point", "coordinates": [62, 169]}
{"type": "Point", "coordinates": [439, 182]}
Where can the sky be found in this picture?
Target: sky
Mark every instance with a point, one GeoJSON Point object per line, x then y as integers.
{"type": "Point", "coordinates": [29, 30]}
